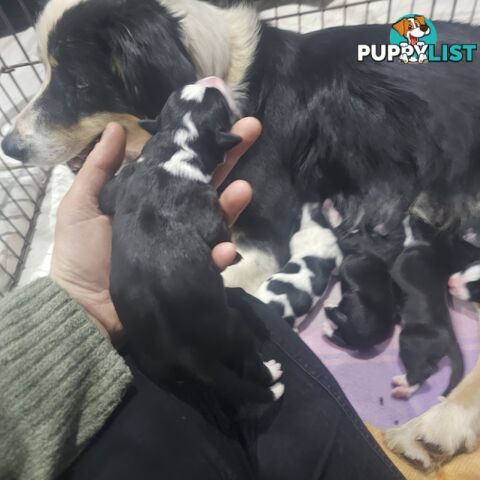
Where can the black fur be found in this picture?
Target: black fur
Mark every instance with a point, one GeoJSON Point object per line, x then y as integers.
{"type": "Point", "coordinates": [167, 291]}
{"type": "Point", "coordinates": [427, 335]}
{"type": "Point", "coordinates": [369, 307]}
{"type": "Point", "coordinates": [370, 136]}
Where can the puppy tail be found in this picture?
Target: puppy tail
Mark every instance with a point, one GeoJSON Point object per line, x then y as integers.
{"type": "Point", "coordinates": [457, 365]}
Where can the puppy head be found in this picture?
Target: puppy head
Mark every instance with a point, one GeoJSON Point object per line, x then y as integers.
{"type": "Point", "coordinates": [195, 121]}
{"type": "Point", "coordinates": [109, 60]}
{"type": "Point", "coordinates": [466, 285]}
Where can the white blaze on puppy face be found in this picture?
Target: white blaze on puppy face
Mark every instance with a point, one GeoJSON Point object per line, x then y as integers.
{"type": "Point", "coordinates": [180, 164]}
{"type": "Point", "coordinates": [193, 93]}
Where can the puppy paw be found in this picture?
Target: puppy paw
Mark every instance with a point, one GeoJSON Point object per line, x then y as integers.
{"type": "Point", "coordinates": [328, 327]}
{"type": "Point", "coordinates": [437, 435]}
{"type": "Point", "coordinates": [275, 369]}
{"type": "Point", "coordinates": [402, 390]}
{"type": "Point", "coordinates": [278, 390]}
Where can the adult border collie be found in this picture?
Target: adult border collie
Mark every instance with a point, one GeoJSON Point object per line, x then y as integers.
{"type": "Point", "coordinates": [370, 136]}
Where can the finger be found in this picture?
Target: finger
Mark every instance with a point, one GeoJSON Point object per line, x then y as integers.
{"type": "Point", "coordinates": [224, 255]}
{"type": "Point", "coordinates": [235, 199]}
{"type": "Point", "coordinates": [102, 163]}
{"type": "Point", "coordinates": [249, 129]}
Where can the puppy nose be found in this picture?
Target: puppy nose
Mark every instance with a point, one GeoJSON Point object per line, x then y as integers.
{"type": "Point", "coordinates": [13, 146]}
{"type": "Point", "coordinates": [424, 28]}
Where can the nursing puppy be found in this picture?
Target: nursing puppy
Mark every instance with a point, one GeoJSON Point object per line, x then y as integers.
{"type": "Point", "coordinates": [368, 310]}
{"type": "Point", "coordinates": [167, 291]}
{"type": "Point", "coordinates": [421, 271]}
{"type": "Point", "coordinates": [314, 255]}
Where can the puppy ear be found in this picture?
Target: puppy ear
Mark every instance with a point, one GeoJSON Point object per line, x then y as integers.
{"type": "Point", "coordinates": [400, 27]}
{"type": "Point", "coordinates": [151, 126]}
{"type": "Point", "coordinates": [420, 19]}
{"type": "Point", "coordinates": [227, 141]}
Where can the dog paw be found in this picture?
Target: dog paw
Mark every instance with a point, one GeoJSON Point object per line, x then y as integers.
{"type": "Point", "coordinates": [402, 390]}
{"type": "Point", "coordinates": [278, 390]}
{"type": "Point", "coordinates": [437, 435]}
{"type": "Point", "coordinates": [275, 369]}
{"type": "Point", "coordinates": [328, 327]}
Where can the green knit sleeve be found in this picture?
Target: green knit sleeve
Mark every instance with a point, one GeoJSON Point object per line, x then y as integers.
{"type": "Point", "coordinates": [60, 380]}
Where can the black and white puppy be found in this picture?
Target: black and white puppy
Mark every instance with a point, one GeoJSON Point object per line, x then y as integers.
{"type": "Point", "coordinates": [422, 272]}
{"type": "Point", "coordinates": [167, 291]}
{"type": "Point", "coordinates": [465, 285]}
{"type": "Point", "coordinates": [314, 255]}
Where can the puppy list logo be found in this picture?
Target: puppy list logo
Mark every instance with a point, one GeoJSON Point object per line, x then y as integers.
{"type": "Point", "coordinates": [413, 39]}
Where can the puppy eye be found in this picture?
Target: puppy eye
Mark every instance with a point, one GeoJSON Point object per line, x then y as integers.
{"type": "Point", "coordinates": [410, 27]}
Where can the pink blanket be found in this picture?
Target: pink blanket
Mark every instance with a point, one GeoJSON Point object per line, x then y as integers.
{"type": "Point", "coordinates": [366, 378]}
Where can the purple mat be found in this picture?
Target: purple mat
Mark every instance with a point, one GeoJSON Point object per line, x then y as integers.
{"type": "Point", "coordinates": [366, 378]}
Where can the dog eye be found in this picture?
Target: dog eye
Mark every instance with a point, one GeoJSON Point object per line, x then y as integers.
{"type": "Point", "coordinates": [410, 27]}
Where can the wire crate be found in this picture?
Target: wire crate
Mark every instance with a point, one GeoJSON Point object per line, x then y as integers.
{"type": "Point", "coordinates": [22, 190]}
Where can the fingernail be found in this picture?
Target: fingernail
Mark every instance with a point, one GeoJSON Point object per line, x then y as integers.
{"type": "Point", "coordinates": [107, 131]}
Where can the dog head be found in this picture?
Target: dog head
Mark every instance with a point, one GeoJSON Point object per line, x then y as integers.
{"type": "Point", "coordinates": [105, 60]}
{"type": "Point", "coordinates": [412, 28]}
{"type": "Point", "coordinates": [195, 122]}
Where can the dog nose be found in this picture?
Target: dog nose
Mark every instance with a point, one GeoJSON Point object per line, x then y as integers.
{"type": "Point", "coordinates": [13, 146]}
{"type": "Point", "coordinates": [424, 28]}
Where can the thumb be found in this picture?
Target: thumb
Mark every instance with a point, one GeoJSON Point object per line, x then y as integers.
{"type": "Point", "coordinates": [101, 164]}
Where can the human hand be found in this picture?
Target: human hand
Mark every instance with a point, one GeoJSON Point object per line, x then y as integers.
{"type": "Point", "coordinates": [83, 234]}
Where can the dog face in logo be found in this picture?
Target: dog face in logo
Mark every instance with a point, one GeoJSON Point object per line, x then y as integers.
{"type": "Point", "coordinates": [412, 28]}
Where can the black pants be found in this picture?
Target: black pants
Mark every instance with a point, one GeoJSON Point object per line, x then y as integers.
{"type": "Point", "coordinates": [188, 434]}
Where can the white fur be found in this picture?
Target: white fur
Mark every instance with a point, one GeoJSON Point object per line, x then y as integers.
{"type": "Point", "coordinates": [458, 288]}
{"type": "Point", "coordinates": [314, 240]}
{"type": "Point", "coordinates": [222, 42]}
{"type": "Point", "coordinates": [328, 327]}
{"type": "Point", "coordinates": [471, 274]}
{"type": "Point", "coordinates": [311, 240]}
{"type": "Point", "coordinates": [254, 268]}
{"type": "Point", "coordinates": [447, 425]}
{"type": "Point", "coordinates": [267, 296]}
{"type": "Point", "coordinates": [184, 136]}
{"type": "Point", "coordinates": [278, 390]}
{"type": "Point", "coordinates": [179, 166]}
{"type": "Point", "coordinates": [275, 369]}
{"type": "Point", "coordinates": [193, 93]}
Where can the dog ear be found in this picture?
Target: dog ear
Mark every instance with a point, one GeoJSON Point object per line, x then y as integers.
{"type": "Point", "coordinates": [147, 55]}
{"type": "Point", "coordinates": [420, 19]}
{"type": "Point", "coordinates": [401, 27]}
{"type": "Point", "coordinates": [227, 141]}
{"type": "Point", "coordinates": [151, 126]}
